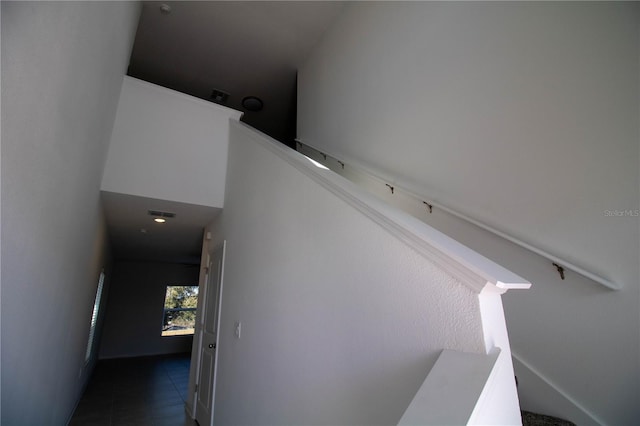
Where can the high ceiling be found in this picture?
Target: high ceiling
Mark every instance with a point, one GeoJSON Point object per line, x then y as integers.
{"type": "Point", "coordinates": [241, 48]}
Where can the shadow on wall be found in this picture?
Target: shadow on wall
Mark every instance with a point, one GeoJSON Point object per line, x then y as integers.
{"type": "Point", "coordinates": [135, 309]}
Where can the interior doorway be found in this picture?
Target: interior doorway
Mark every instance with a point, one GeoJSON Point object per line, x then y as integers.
{"type": "Point", "coordinates": [205, 347]}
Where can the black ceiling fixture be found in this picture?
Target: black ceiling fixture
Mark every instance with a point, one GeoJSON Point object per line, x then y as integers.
{"type": "Point", "coordinates": [219, 96]}
{"type": "Point", "coordinates": [252, 103]}
{"type": "Point", "coordinates": [158, 213]}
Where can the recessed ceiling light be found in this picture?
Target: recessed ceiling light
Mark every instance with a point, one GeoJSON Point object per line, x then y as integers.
{"type": "Point", "coordinates": [165, 8]}
{"type": "Point", "coordinates": [159, 220]}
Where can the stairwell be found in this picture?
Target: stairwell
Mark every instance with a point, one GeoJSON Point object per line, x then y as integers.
{"type": "Point", "coordinates": [501, 248]}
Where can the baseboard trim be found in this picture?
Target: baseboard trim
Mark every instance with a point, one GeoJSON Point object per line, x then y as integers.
{"type": "Point", "coordinates": [187, 408]}
{"type": "Point", "coordinates": [88, 367]}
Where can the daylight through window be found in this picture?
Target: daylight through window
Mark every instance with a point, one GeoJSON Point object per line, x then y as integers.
{"type": "Point", "coordinates": [94, 317]}
{"type": "Point", "coordinates": [180, 304]}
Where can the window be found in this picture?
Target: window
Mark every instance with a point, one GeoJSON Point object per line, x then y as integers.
{"type": "Point", "coordinates": [179, 316]}
{"type": "Point", "coordinates": [94, 317]}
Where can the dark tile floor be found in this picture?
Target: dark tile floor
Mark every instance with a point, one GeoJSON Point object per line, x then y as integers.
{"type": "Point", "coordinates": [145, 391]}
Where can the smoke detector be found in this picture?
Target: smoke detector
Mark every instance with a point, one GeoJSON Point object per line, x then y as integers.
{"type": "Point", "coordinates": [252, 103]}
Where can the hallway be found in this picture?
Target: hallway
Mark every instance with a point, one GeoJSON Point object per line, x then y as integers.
{"type": "Point", "coordinates": [141, 391]}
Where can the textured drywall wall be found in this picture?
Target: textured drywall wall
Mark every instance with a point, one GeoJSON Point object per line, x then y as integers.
{"type": "Point", "coordinates": [62, 69]}
{"type": "Point", "coordinates": [168, 145]}
{"type": "Point", "coordinates": [135, 308]}
{"type": "Point", "coordinates": [341, 322]}
{"type": "Point", "coordinates": [525, 117]}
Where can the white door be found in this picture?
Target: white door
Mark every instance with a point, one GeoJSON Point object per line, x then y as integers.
{"type": "Point", "coordinates": [205, 395]}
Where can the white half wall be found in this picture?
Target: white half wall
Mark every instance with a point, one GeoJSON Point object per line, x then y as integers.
{"type": "Point", "coordinates": [168, 145]}
{"type": "Point", "coordinates": [524, 116]}
{"type": "Point", "coordinates": [341, 320]}
{"type": "Point", "coordinates": [62, 69]}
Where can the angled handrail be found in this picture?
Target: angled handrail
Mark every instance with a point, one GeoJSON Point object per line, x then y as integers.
{"type": "Point", "coordinates": [557, 262]}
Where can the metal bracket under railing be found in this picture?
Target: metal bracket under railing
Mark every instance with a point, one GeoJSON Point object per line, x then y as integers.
{"type": "Point", "coordinates": [560, 264]}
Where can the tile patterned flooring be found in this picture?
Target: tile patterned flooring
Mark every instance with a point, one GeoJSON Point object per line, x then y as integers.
{"type": "Point", "coordinates": [144, 391]}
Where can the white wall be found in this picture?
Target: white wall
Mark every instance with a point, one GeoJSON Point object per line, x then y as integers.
{"type": "Point", "coordinates": [525, 117]}
{"type": "Point", "coordinates": [62, 69]}
{"type": "Point", "coordinates": [341, 321]}
{"type": "Point", "coordinates": [168, 145]}
{"type": "Point", "coordinates": [539, 307]}
{"type": "Point", "coordinates": [135, 309]}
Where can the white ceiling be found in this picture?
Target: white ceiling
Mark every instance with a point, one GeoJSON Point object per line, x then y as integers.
{"type": "Point", "coordinates": [178, 240]}
{"type": "Point", "coordinates": [243, 48]}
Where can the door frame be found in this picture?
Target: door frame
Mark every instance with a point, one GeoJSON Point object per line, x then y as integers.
{"type": "Point", "coordinates": [219, 292]}
{"type": "Point", "coordinates": [196, 359]}
{"type": "Point", "coordinates": [194, 370]}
